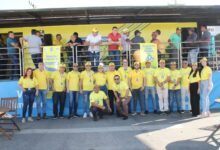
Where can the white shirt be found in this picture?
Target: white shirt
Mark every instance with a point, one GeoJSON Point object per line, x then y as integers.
{"type": "Point", "coordinates": [124, 43]}
{"type": "Point", "coordinates": [34, 43]}
{"type": "Point", "coordinates": [92, 40]}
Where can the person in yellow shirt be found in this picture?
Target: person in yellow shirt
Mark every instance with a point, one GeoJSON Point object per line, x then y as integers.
{"type": "Point", "coordinates": [86, 87]}
{"type": "Point", "coordinates": [205, 86]}
{"type": "Point", "coordinates": [43, 80]}
{"type": "Point", "coordinates": [99, 103]}
{"type": "Point", "coordinates": [100, 78]}
{"type": "Point", "coordinates": [58, 82]}
{"type": "Point", "coordinates": [59, 42]}
{"type": "Point", "coordinates": [110, 83]}
{"type": "Point", "coordinates": [29, 86]}
{"type": "Point", "coordinates": [72, 83]}
{"type": "Point", "coordinates": [123, 96]}
{"type": "Point", "coordinates": [161, 77]}
{"type": "Point", "coordinates": [194, 88]}
{"type": "Point", "coordinates": [174, 88]}
{"type": "Point", "coordinates": [149, 86]}
{"type": "Point", "coordinates": [124, 71]}
{"type": "Point", "coordinates": [136, 84]}
{"type": "Point", "coordinates": [185, 70]}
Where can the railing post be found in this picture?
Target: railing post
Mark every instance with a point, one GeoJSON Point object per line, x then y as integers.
{"type": "Point", "coordinates": [77, 54]}
{"type": "Point", "coordinates": [20, 60]}
{"type": "Point", "coordinates": [22, 55]}
{"type": "Point", "coordinates": [180, 55]}
{"type": "Point", "coordinates": [73, 54]}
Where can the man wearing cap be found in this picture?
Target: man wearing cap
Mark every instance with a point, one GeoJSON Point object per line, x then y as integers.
{"type": "Point", "coordinates": [114, 41]}
{"type": "Point", "coordinates": [86, 86]}
{"type": "Point", "coordinates": [98, 99]}
{"type": "Point", "coordinates": [125, 42]}
{"type": "Point", "coordinates": [100, 78]}
{"type": "Point", "coordinates": [123, 96]}
{"type": "Point", "coordinates": [73, 90]}
{"type": "Point", "coordinates": [191, 50]}
{"type": "Point", "coordinates": [185, 71]}
{"type": "Point", "coordinates": [136, 40]}
{"type": "Point", "coordinates": [94, 40]}
{"type": "Point", "coordinates": [149, 86]}
{"type": "Point", "coordinates": [124, 71]}
{"type": "Point", "coordinates": [175, 41]}
{"type": "Point", "coordinates": [110, 82]}
{"type": "Point", "coordinates": [58, 82]}
{"type": "Point", "coordinates": [206, 86]}
{"type": "Point", "coordinates": [161, 77]}
{"type": "Point", "coordinates": [174, 88]}
{"type": "Point", "coordinates": [136, 83]}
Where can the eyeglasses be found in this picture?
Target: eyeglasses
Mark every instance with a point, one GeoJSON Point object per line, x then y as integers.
{"type": "Point", "coordinates": [117, 79]}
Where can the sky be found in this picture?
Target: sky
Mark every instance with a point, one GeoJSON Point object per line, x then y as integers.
{"type": "Point", "coordinates": [24, 4]}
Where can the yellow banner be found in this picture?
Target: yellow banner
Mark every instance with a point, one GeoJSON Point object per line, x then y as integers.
{"type": "Point", "coordinates": [148, 51]}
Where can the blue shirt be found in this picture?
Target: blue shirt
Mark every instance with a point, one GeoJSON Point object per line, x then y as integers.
{"type": "Point", "coordinates": [10, 48]}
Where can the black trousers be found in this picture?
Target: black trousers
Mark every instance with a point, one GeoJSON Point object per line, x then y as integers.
{"type": "Point", "coordinates": [195, 98]}
{"type": "Point", "coordinates": [97, 111]}
{"type": "Point", "coordinates": [111, 100]}
{"type": "Point", "coordinates": [58, 97]}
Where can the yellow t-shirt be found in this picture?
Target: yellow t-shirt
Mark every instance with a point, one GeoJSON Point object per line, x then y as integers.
{"type": "Point", "coordinates": [97, 98]}
{"type": "Point", "coordinates": [194, 79]}
{"type": "Point", "coordinates": [137, 79]}
{"type": "Point", "coordinates": [149, 75]}
{"type": "Point", "coordinates": [58, 43]}
{"type": "Point", "coordinates": [185, 77]}
{"type": "Point", "coordinates": [110, 78]}
{"type": "Point", "coordinates": [121, 88]}
{"type": "Point", "coordinates": [41, 77]}
{"type": "Point", "coordinates": [27, 82]}
{"type": "Point", "coordinates": [59, 81]}
{"type": "Point", "coordinates": [174, 76]}
{"type": "Point", "coordinates": [100, 78]}
{"type": "Point", "coordinates": [161, 75]}
{"type": "Point", "coordinates": [73, 80]}
{"type": "Point", "coordinates": [206, 72]}
{"type": "Point", "coordinates": [124, 73]}
{"type": "Point", "coordinates": [88, 80]}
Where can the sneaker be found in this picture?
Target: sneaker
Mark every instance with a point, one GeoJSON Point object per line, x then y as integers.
{"type": "Point", "coordinates": [30, 119]}
{"type": "Point", "coordinates": [38, 117]}
{"type": "Point", "coordinates": [142, 114]}
{"type": "Point", "coordinates": [85, 115]}
{"type": "Point", "coordinates": [134, 114]}
{"type": "Point", "coordinates": [44, 116]}
{"type": "Point", "coordinates": [90, 114]}
{"type": "Point", "coordinates": [61, 117]}
{"type": "Point", "coordinates": [182, 111]}
{"type": "Point", "coordinates": [23, 120]}
{"type": "Point", "coordinates": [76, 116]}
{"type": "Point", "coordinates": [54, 117]}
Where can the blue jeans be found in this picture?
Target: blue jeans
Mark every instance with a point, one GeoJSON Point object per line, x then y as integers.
{"type": "Point", "coordinates": [28, 100]}
{"type": "Point", "coordinates": [94, 58]}
{"type": "Point", "coordinates": [73, 102]}
{"type": "Point", "coordinates": [174, 96]}
{"type": "Point", "coordinates": [14, 66]}
{"type": "Point", "coordinates": [36, 59]}
{"type": "Point", "coordinates": [86, 101]}
{"type": "Point", "coordinates": [42, 97]}
{"type": "Point", "coordinates": [150, 91]}
{"type": "Point", "coordinates": [104, 89]}
{"type": "Point", "coordinates": [193, 55]}
{"type": "Point", "coordinates": [138, 96]}
{"type": "Point", "coordinates": [114, 56]}
{"type": "Point", "coordinates": [204, 95]}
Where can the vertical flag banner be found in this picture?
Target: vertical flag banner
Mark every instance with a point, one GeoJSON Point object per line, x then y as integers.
{"type": "Point", "coordinates": [51, 57]}
{"type": "Point", "coordinates": [148, 51]}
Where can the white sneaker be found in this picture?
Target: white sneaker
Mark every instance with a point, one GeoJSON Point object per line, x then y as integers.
{"type": "Point", "coordinates": [134, 114]}
{"type": "Point", "coordinates": [85, 115]}
{"type": "Point", "coordinates": [90, 114]}
{"type": "Point", "coordinates": [142, 114]}
{"type": "Point", "coordinates": [30, 119]}
{"type": "Point", "coordinates": [23, 120]}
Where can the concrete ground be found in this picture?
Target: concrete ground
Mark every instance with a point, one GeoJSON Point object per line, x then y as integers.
{"type": "Point", "coordinates": [152, 132]}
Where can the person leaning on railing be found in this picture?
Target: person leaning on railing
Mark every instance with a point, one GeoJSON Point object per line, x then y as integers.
{"type": "Point", "coordinates": [29, 86]}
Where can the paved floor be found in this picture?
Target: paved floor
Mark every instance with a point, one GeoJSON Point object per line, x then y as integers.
{"type": "Point", "coordinates": [153, 132]}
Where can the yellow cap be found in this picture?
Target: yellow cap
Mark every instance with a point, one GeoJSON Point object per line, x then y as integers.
{"type": "Point", "coordinates": [136, 63]}
{"type": "Point", "coordinates": [62, 65]}
{"type": "Point", "coordinates": [173, 63]}
{"type": "Point", "coordinates": [95, 30]}
{"type": "Point", "coordinates": [125, 30]}
{"type": "Point", "coordinates": [147, 61]}
{"type": "Point", "coordinates": [88, 63]}
{"type": "Point", "coordinates": [204, 59]}
{"type": "Point", "coordinates": [194, 64]}
{"type": "Point", "coordinates": [162, 61]}
{"type": "Point", "coordinates": [111, 64]}
{"type": "Point", "coordinates": [75, 64]}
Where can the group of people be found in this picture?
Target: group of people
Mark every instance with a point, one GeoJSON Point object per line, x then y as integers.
{"type": "Point", "coordinates": [122, 88]}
